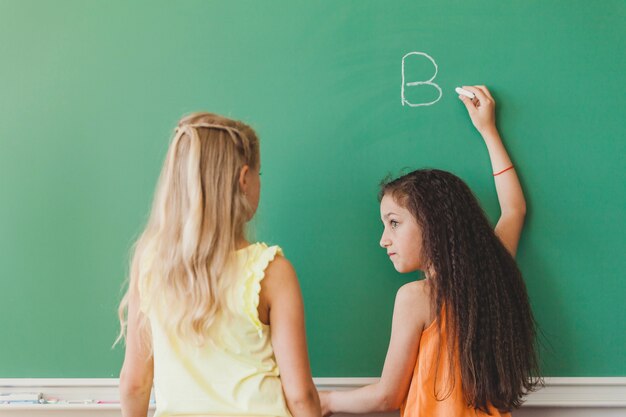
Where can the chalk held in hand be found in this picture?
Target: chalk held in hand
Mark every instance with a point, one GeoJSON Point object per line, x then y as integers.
{"type": "Point", "coordinates": [465, 93]}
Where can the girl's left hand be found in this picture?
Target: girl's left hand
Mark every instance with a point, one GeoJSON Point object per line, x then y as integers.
{"type": "Point", "coordinates": [325, 403]}
{"type": "Point", "coordinates": [482, 109]}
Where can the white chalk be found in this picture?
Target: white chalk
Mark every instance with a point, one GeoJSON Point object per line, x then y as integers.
{"type": "Point", "coordinates": [465, 93]}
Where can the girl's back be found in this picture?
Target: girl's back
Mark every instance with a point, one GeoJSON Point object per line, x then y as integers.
{"type": "Point", "coordinates": [433, 391]}
{"type": "Point", "coordinates": [235, 371]}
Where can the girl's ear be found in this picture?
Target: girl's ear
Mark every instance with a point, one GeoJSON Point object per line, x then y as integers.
{"type": "Point", "coordinates": [243, 178]}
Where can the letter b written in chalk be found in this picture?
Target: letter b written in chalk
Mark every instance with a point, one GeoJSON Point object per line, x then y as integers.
{"type": "Point", "coordinates": [419, 83]}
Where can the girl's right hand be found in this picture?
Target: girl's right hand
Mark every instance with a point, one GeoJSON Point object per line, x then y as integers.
{"type": "Point", "coordinates": [482, 109]}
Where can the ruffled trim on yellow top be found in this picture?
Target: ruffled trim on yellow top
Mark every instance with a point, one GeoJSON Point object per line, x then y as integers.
{"type": "Point", "coordinates": [256, 264]}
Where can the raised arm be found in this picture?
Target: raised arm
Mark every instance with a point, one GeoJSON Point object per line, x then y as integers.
{"type": "Point", "coordinates": [280, 293]}
{"type": "Point", "coordinates": [409, 316]}
{"type": "Point", "coordinates": [510, 195]}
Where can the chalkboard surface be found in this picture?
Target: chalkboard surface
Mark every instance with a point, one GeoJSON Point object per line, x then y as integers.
{"type": "Point", "coordinates": [90, 92]}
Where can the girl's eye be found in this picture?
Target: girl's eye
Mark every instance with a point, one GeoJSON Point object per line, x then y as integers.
{"type": "Point", "coordinates": [393, 224]}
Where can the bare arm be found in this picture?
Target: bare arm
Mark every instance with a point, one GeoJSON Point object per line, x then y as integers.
{"type": "Point", "coordinates": [510, 195]}
{"type": "Point", "coordinates": [409, 315]}
{"type": "Point", "coordinates": [281, 292]}
{"type": "Point", "coordinates": [138, 369]}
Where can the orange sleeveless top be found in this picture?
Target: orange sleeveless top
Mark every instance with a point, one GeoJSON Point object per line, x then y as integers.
{"type": "Point", "coordinates": [429, 389]}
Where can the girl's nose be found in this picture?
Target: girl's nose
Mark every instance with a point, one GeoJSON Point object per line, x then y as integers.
{"type": "Point", "coordinates": [384, 242]}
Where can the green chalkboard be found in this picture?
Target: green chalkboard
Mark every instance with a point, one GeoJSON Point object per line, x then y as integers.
{"type": "Point", "coordinates": [90, 92]}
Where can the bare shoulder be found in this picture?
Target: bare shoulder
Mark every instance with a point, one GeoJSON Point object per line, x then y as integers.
{"type": "Point", "coordinates": [278, 271]}
{"type": "Point", "coordinates": [279, 285]}
{"type": "Point", "coordinates": [414, 292]}
{"type": "Point", "coordinates": [413, 300]}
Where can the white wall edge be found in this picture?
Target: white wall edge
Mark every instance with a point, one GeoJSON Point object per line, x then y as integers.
{"type": "Point", "coordinates": [596, 392]}
{"type": "Point", "coordinates": [557, 391]}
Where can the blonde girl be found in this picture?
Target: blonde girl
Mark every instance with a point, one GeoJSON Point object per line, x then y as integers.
{"type": "Point", "coordinates": [202, 299]}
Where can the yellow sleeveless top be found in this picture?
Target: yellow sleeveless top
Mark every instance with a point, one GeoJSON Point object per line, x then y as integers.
{"type": "Point", "coordinates": [235, 372]}
{"type": "Point", "coordinates": [430, 384]}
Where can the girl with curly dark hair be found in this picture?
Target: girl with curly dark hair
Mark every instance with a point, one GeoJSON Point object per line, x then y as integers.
{"type": "Point", "coordinates": [463, 339]}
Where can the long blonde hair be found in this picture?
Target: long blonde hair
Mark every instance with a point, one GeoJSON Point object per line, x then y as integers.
{"type": "Point", "coordinates": [197, 219]}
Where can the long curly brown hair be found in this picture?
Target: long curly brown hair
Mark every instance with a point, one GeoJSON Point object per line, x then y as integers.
{"type": "Point", "coordinates": [490, 325]}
